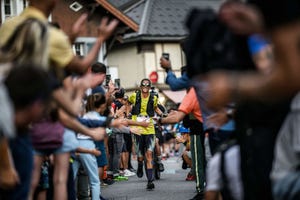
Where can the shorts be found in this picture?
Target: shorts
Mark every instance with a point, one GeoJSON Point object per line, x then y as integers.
{"type": "Point", "coordinates": [70, 143]}
{"type": "Point", "coordinates": [169, 136]}
{"type": "Point", "coordinates": [144, 143]}
{"type": "Point", "coordinates": [115, 144]}
{"type": "Point", "coordinates": [127, 146]}
{"type": "Point", "coordinates": [102, 159]}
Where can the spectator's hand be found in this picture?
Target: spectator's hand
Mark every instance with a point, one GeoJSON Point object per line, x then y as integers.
{"type": "Point", "coordinates": [96, 152]}
{"type": "Point", "coordinates": [241, 18]}
{"type": "Point", "coordinates": [179, 139]}
{"type": "Point", "coordinates": [9, 178]}
{"type": "Point", "coordinates": [222, 90]}
{"type": "Point", "coordinates": [77, 27]}
{"type": "Point", "coordinates": [106, 29]}
{"type": "Point", "coordinates": [172, 112]}
{"type": "Point", "coordinates": [111, 88]}
{"type": "Point", "coordinates": [217, 119]}
{"type": "Point", "coordinates": [144, 123]}
{"type": "Point", "coordinates": [120, 112]}
{"type": "Point", "coordinates": [136, 130]}
{"type": "Point", "coordinates": [164, 63]}
{"type": "Point", "coordinates": [84, 82]}
{"type": "Point", "coordinates": [97, 133]}
{"type": "Point", "coordinates": [119, 122]}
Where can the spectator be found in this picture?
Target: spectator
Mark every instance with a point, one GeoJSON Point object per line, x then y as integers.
{"type": "Point", "coordinates": [190, 106]}
{"type": "Point", "coordinates": [60, 54]}
{"type": "Point", "coordinates": [29, 89]}
{"type": "Point", "coordinates": [279, 85]}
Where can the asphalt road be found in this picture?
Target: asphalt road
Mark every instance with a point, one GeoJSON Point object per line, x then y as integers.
{"type": "Point", "coordinates": [171, 186]}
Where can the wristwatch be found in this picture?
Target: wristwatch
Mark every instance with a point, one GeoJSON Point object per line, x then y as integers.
{"type": "Point", "coordinates": [229, 113]}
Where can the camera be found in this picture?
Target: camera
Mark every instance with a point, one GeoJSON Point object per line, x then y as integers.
{"type": "Point", "coordinates": [166, 56]}
{"type": "Point", "coordinates": [117, 83]}
{"type": "Point", "coordinates": [107, 79]}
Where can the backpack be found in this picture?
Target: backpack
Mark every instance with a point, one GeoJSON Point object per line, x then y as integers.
{"type": "Point", "coordinates": [136, 109]}
{"type": "Point", "coordinates": [226, 193]}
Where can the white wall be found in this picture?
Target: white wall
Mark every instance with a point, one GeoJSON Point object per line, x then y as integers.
{"type": "Point", "coordinates": [132, 67]}
{"type": "Point", "coordinates": [129, 63]}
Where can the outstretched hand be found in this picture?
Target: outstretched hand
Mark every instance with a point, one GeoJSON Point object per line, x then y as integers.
{"type": "Point", "coordinates": [106, 29]}
{"type": "Point", "coordinates": [78, 27]}
{"type": "Point", "coordinates": [221, 89]}
{"type": "Point", "coordinates": [136, 130]}
{"type": "Point", "coordinates": [241, 18]}
{"type": "Point", "coordinates": [164, 63]}
{"type": "Point", "coordinates": [216, 120]}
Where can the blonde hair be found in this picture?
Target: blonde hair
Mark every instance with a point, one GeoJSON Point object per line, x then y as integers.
{"type": "Point", "coordinates": [27, 44]}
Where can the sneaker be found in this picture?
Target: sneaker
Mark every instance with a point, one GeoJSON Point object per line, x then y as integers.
{"type": "Point", "coordinates": [198, 196]}
{"type": "Point", "coordinates": [131, 169]}
{"type": "Point", "coordinates": [121, 178]}
{"type": "Point", "coordinates": [128, 173]}
{"type": "Point", "coordinates": [108, 181]}
{"type": "Point", "coordinates": [140, 172]}
{"type": "Point", "coordinates": [150, 185]}
{"type": "Point", "coordinates": [190, 177]}
{"type": "Point", "coordinates": [103, 184]}
{"type": "Point", "coordinates": [102, 198]}
{"type": "Point", "coordinates": [121, 172]}
{"type": "Point", "coordinates": [184, 164]}
{"type": "Point", "coordinates": [161, 167]}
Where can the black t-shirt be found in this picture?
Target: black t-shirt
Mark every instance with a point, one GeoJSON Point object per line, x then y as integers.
{"type": "Point", "coordinates": [278, 12]}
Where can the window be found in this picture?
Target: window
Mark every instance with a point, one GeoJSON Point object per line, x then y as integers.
{"type": "Point", "coordinates": [10, 8]}
{"type": "Point", "coordinates": [78, 49]}
{"type": "Point", "coordinates": [25, 3]}
{"type": "Point", "coordinates": [7, 8]}
{"type": "Point", "coordinates": [145, 47]}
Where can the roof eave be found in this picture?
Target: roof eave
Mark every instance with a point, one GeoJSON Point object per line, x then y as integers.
{"type": "Point", "coordinates": [118, 14]}
{"type": "Point", "coordinates": [150, 38]}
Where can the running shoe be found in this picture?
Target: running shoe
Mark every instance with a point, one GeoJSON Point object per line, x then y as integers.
{"type": "Point", "coordinates": [190, 177]}
{"type": "Point", "coordinates": [102, 198]}
{"type": "Point", "coordinates": [128, 173]}
{"type": "Point", "coordinates": [103, 184]}
{"type": "Point", "coordinates": [150, 185]}
{"type": "Point", "coordinates": [120, 178]}
{"type": "Point", "coordinates": [132, 169]}
{"type": "Point", "coordinates": [108, 181]}
{"type": "Point", "coordinates": [161, 167]}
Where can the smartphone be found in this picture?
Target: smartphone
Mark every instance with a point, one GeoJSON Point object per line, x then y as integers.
{"type": "Point", "coordinates": [107, 79]}
{"type": "Point", "coordinates": [166, 56]}
{"type": "Point", "coordinates": [117, 83]}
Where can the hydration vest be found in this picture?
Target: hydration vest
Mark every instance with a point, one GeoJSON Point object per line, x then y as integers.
{"type": "Point", "coordinates": [136, 109]}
